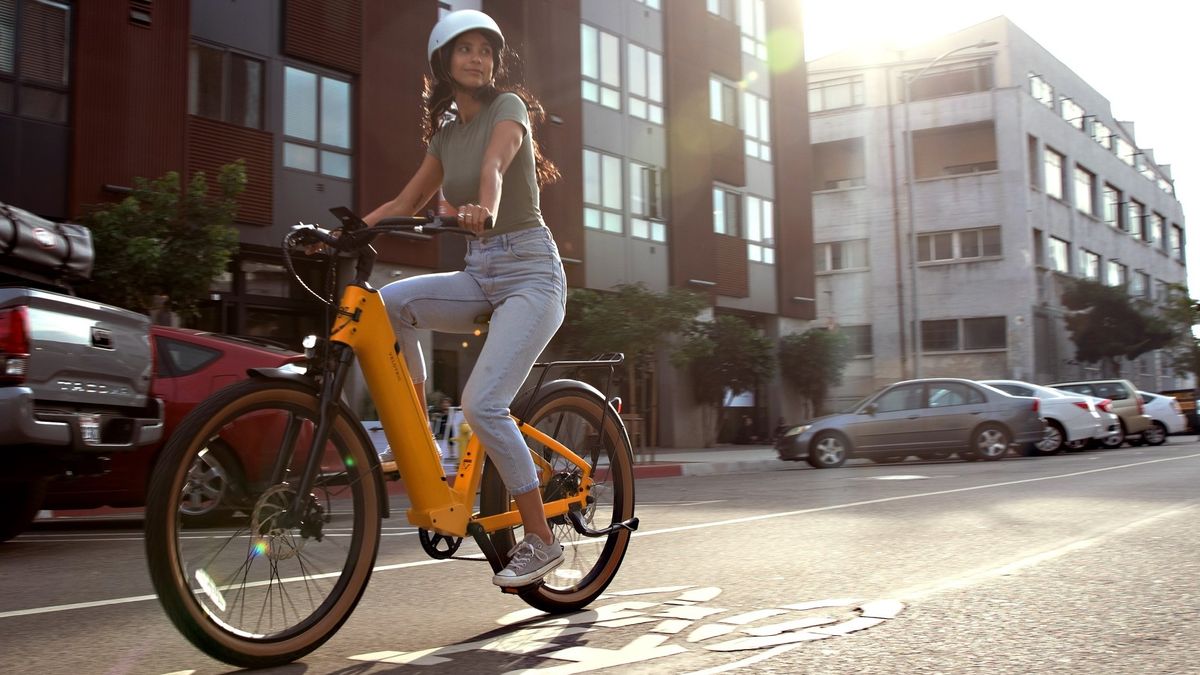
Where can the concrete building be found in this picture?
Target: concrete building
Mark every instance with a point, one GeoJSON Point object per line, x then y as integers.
{"type": "Point", "coordinates": [1022, 179]}
{"type": "Point", "coordinates": [684, 156]}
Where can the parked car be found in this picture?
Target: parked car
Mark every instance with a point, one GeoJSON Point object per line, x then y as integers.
{"type": "Point", "coordinates": [190, 365]}
{"type": "Point", "coordinates": [1071, 419]}
{"type": "Point", "coordinates": [932, 418]}
{"type": "Point", "coordinates": [1166, 418]}
{"type": "Point", "coordinates": [1125, 403]}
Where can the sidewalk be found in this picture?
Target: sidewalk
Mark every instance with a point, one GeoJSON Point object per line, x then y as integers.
{"type": "Point", "coordinates": [649, 463]}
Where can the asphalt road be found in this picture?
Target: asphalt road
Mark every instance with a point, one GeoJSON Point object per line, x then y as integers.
{"type": "Point", "coordinates": [1082, 563]}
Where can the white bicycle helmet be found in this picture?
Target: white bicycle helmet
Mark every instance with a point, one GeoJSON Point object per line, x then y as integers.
{"type": "Point", "coordinates": [456, 23]}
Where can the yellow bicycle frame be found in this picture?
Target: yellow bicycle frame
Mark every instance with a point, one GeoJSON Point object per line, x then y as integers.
{"type": "Point", "coordinates": [362, 323]}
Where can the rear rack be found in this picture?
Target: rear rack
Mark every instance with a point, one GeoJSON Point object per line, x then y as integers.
{"type": "Point", "coordinates": [608, 360]}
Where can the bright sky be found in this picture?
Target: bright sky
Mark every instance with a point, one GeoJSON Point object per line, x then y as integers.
{"type": "Point", "coordinates": [1141, 56]}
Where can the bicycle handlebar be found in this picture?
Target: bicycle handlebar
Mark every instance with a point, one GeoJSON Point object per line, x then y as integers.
{"type": "Point", "coordinates": [356, 235]}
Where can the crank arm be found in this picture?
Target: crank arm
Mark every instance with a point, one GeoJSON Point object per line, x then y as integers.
{"type": "Point", "coordinates": [582, 528]}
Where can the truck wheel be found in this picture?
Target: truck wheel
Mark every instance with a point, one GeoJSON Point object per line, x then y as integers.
{"type": "Point", "coordinates": [19, 504]}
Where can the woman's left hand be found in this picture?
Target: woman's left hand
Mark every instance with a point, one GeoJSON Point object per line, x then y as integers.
{"type": "Point", "coordinates": [473, 217]}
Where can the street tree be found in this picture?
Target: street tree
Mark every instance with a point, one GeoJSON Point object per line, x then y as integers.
{"type": "Point", "coordinates": [162, 246]}
{"type": "Point", "coordinates": [812, 362]}
{"type": "Point", "coordinates": [630, 319]}
{"type": "Point", "coordinates": [1106, 325]}
{"type": "Point", "coordinates": [1182, 314]}
{"type": "Point", "coordinates": [726, 356]}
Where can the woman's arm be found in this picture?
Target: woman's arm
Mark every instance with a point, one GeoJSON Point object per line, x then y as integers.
{"type": "Point", "coordinates": [421, 187]}
{"type": "Point", "coordinates": [506, 139]}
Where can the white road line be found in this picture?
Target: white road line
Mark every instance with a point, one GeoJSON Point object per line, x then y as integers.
{"type": "Point", "coordinates": [719, 523]}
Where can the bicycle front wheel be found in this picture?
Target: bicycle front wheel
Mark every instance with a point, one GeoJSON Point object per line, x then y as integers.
{"type": "Point", "coordinates": [266, 590]}
{"type": "Point", "coordinates": [576, 418]}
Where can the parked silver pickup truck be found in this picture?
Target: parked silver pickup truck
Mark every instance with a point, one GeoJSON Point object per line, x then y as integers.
{"type": "Point", "coordinates": [74, 382]}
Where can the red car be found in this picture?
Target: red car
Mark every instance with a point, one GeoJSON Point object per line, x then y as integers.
{"type": "Point", "coordinates": [190, 365]}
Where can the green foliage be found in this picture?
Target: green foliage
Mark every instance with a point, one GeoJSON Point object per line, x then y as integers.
{"type": "Point", "coordinates": [1105, 324]}
{"type": "Point", "coordinates": [632, 320]}
{"type": "Point", "coordinates": [1182, 313]}
{"type": "Point", "coordinates": [813, 361]}
{"type": "Point", "coordinates": [164, 240]}
{"type": "Point", "coordinates": [725, 354]}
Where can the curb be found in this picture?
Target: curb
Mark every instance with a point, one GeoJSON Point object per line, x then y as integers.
{"type": "Point", "coordinates": [394, 488]}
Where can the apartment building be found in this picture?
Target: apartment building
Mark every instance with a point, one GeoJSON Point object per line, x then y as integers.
{"type": "Point", "coordinates": [1021, 180]}
{"type": "Point", "coordinates": [681, 150]}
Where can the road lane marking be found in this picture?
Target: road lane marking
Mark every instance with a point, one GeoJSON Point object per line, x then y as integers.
{"type": "Point", "coordinates": [668, 530]}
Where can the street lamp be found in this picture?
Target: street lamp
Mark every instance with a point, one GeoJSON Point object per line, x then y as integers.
{"type": "Point", "coordinates": [909, 180]}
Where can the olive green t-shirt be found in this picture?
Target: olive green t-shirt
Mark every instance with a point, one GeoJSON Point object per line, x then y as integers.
{"type": "Point", "coordinates": [460, 148]}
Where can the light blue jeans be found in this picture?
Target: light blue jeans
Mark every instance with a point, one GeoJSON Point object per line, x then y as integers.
{"type": "Point", "coordinates": [517, 278]}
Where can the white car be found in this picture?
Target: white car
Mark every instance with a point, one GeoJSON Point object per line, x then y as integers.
{"type": "Point", "coordinates": [1166, 417]}
{"type": "Point", "coordinates": [1072, 420]}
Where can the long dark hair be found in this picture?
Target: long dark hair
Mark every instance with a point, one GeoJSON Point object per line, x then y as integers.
{"type": "Point", "coordinates": [438, 97]}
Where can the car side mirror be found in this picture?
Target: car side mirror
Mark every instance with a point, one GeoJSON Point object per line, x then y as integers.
{"type": "Point", "coordinates": [869, 409]}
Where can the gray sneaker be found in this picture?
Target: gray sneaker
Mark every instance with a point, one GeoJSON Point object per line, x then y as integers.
{"type": "Point", "coordinates": [530, 560]}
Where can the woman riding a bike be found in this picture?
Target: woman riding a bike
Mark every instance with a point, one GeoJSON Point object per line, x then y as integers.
{"type": "Point", "coordinates": [483, 157]}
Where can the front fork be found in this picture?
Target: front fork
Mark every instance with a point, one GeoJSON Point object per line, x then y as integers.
{"type": "Point", "coordinates": [341, 358]}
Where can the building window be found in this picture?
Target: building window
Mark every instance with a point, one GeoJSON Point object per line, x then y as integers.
{"type": "Point", "coordinates": [1052, 169]}
{"type": "Point", "coordinates": [35, 80]}
{"type": "Point", "coordinates": [753, 19]}
{"type": "Point", "coordinates": [988, 332]}
{"type": "Point", "coordinates": [760, 230]}
{"type": "Point", "coordinates": [1039, 248]}
{"type": "Point", "coordinates": [756, 118]}
{"type": "Point", "coordinates": [844, 92]}
{"type": "Point", "coordinates": [1089, 264]}
{"type": "Point", "coordinates": [1125, 150]}
{"type": "Point", "coordinates": [225, 86]}
{"type": "Point", "coordinates": [939, 336]}
{"type": "Point", "coordinates": [858, 339]}
{"type": "Point", "coordinates": [1059, 255]}
{"type": "Point", "coordinates": [645, 203]}
{"type": "Point", "coordinates": [600, 57]}
{"type": "Point", "coordinates": [602, 195]}
{"type": "Point", "coordinates": [722, 8]}
{"type": "Point", "coordinates": [1112, 206]}
{"type": "Point", "coordinates": [316, 123]}
{"type": "Point", "coordinates": [645, 84]}
{"type": "Point", "coordinates": [1157, 232]}
{"type": "Point", "coordinates": [722, 101]}
{"type": "Point", "coordinates": [1073, 113]}
{"type": "Point", "coordinates": [652, 4]}
{"type": "Point", "coordinates": [727, 212]}
{"type": "Point", "coordinates": [1176, 243]}
{"type": "Point", "coordinates": [1136, 222]}
{"type": "Point", "coordinates": [1102, 133]}
{"type": "Point", "coordinates": [1139, 285]}
{"type": "Point", "coordinates": [951, 80]}
{"type": "Point", "coordinates": [841, 255]}
{"type": "Point", "coordinates": [959, 245]}
{"type": "Point", "coordinates": [951, 335]}
{"type": "Point", "coordinates": [1041, 90]}
{"type": "Point", "coordinates": [1085, 195]}
{"type": "Point", "coordinates": [1116, 274]}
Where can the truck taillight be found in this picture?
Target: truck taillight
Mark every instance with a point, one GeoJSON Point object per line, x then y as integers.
{"type": "Point", "coordinates": [1037, 404]}
{"type": "Point", "coordinates": [1141, 405]}
{"type": "Point", "coordinates": [14, 344]}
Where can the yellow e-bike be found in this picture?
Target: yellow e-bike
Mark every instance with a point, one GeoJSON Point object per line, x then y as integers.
{"type": "Point", "coordinates": [279, 581]}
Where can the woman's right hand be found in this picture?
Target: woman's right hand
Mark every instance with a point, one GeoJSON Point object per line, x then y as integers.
{"type": "Point", "coordinates": [320, 247]}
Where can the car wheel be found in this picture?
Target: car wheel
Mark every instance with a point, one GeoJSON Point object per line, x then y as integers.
{"type": "Point", "coordinates": [1078, 446]}
{"type": "Point", "coordinates": [990, 442]}
{"type": "Point", "coordinates": [19, 504]}
{"type": "Point", "coordinates": [935, 454]}
{"type": "Point", "coordinates": [1116, 440]}
{"type": "Point", "coordinates": [1156, 434]}
{"type": "Point", "coordinates": [828, 451]}
{"type": "Point", "coordinates": [1055, 439]}
{"type": "Point", "coordinates": [892, 459]}
{"type": "Point", "coordinates": [212, 487]}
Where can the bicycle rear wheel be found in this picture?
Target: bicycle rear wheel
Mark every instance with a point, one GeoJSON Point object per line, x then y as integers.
{"type": "Point", "coordinates": [261, 592]}
{"type": "Point", "coordinates": [574, 417]}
